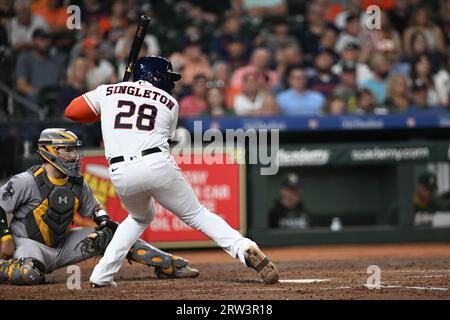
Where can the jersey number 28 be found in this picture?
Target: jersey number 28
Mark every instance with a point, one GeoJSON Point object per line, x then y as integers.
{"type": "Point", "coordinates": [144, 121]}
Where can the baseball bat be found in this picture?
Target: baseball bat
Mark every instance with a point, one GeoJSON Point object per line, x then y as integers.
{"type": "Point", "coordinates": [143, 22]}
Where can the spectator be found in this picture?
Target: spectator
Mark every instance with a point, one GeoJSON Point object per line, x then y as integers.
{"type": "Point", "coordinates": [421, 70]}
{"type": "Point", "coordinates": [367, 103]}
{"type": "Point", "coordinates": [378, 84]}
{"type": "Point", "coordinates": [221, 78]}
{"type": "Point", "coordinates": [444, 20]}
{"type": "Point", "coordinates": [399, 16]}
{"type": "Point", "coordinates": [289, 211]}
{"type": "Point", "coordinates": [193, 61]}
{"type": "Point", "coordinates": [260, 60]}
{"type": "Point", "coordinates": [324, 81]}
{"type": "Point", "coordinates": [335, 106]}
{"type": "Point", "coordinates": [7, 67]}
{"type": "Point", "coordinates": [297, 99]}
{"type": "Point", "coordinates": [122, 64]}
{"type": "Point", "coordinates": [332, 9]}
{"type": "Point", "coordinates": [263, 8]}
{"type": "Point", "coordinates": [421, 21]}
{"type": "Point", "coordinates": [311, 30]}
{"type": "Point", "coordinates": [351, 34]}
{"type": "Point", "coordinates": [352, 8]}
{"type": "Point", "coordinates": [6, 9]}
{"type": "Point", "coordinates": [442, 82]}
{"type": "Point", "coordinates": [54, 14]}
{"type": "Point", "coordinates": [286, 56]}
{"type": "Point", "coordinates": [122, 47]}
{"type": "Point", "coordinates": [419, 101]}
{"type": "Point", "coordinates": [351, 54]}
{"type": "Point", "coordinates": [383, 4]}
{"type": "Point", "coordinates": [419, 46]}
{"type": "Point", "coordinates": [92, 11]}
{"type": "Point", "coordinates": [254, 100]}
{"type": "Point", "coordinates": [205, 11]}
{"type": "Point", "coordinates": [3, 37]}
{"type": "Point", "coordinates": [91, 31]}
{"type": "Point", "coordinates": [279, 36]}
{"type": "Point", "coordinates": [327, 42]}
{"type": "Point", "coordinates": [237, 51]}
{"type": "Point", "coordinates": [23, 25]}
{"type": "Point", "coordinates": [75, 84]}
{"type": "Point", "coordinates": [419, 97]}
{"type": "Point", "coordinates": [398, 94]}
{"type": "Point", "coordinates": [113, 23]}
{"type": "Point", "coordinates": [216, 103]}
{"type": "Point", "coordinates": [221, 73]}
{"type": "Point", "coordinates": [347, 88]}
{"type": "Point", "coordinates": [230, 32]}
{"type": "Point", "coordinates": [100, 70]}
{"type": "Point", "coordinates": [37, 68]}
{"type": "Point", "coordinates": [195, 103]}
{"type": "Point", "coordinates": [385, 41]}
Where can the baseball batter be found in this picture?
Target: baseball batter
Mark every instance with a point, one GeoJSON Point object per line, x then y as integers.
{"type": "Point", "coordinates": [137, 119]}
{"type": "Point", "coordinates": [44, 201]}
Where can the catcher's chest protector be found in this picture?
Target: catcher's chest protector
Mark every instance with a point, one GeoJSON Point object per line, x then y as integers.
{"type": "Point", "coordinates": [49, 222]}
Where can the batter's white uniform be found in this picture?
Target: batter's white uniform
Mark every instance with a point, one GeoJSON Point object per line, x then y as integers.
{"type": "Point", "coordinates": [136, 116]}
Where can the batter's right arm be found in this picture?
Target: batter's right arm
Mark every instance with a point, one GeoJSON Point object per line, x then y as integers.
{"type": "Point", "coordinates": [84, 108]}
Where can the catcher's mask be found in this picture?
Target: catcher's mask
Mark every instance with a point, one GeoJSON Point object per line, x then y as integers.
{"type": "Point", "coordinates": [60, 148]}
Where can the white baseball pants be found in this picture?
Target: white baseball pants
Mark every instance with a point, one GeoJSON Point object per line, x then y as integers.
{"type": "Point", "coordinates": [158, 176]}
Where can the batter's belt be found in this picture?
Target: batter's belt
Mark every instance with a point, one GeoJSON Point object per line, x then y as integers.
{"type": "Point", "coordinates": [143, 153]}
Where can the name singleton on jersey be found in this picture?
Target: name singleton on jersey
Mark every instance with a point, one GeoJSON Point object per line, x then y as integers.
{"type": "Point", "coordinates": [138, 92]}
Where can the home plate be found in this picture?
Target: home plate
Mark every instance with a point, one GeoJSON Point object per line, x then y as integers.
{"type": "Point", "coordinates": [303, 280]}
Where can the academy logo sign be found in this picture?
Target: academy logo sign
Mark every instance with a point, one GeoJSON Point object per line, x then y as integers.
{"type": "Point", "coordinates": [397, 154]}
{"type": "Point", "coordinates": [303, 157]}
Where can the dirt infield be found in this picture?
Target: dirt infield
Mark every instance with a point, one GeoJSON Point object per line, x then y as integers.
{"type": "Point", "coordinates": [411, 271]}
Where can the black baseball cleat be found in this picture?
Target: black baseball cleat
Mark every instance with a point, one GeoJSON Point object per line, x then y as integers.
{"type": "Point", "coordinates": [257, 260]}
{"type": "Point", "coordinates": [110, 284]}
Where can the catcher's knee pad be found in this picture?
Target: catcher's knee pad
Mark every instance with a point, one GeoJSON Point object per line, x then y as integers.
{"type": "Point", "coordinates": [24, 271]}
{"type": "Point", "coordinates": [144, 253]}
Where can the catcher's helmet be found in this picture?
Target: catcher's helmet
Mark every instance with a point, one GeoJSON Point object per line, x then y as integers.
{"type": "Point", "coordinates": [49, 144]}
{"type": "Point", "coordinates": [156, 70]}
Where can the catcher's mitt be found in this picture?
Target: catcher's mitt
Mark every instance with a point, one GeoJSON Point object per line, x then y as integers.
{"type": "Point", "coordinates": [96, 242]}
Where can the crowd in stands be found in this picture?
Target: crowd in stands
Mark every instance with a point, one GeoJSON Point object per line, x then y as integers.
{"type": "Point", "coordinates": [237, 57]}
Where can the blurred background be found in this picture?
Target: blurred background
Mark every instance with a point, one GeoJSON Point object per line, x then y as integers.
{"type": "Point", "coordinates": [363, 113]}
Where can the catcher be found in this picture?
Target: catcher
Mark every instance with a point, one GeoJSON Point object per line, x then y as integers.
{"type": "Point", "coordinates": [45, 200]}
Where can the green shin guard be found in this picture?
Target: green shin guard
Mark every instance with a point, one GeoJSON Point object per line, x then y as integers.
{"type": "Point", "coordinates": [146, 254]}
{"type": "Point", "coordinates": [24, 271]}
{"type": "Point", "coordinates": [166, 266]}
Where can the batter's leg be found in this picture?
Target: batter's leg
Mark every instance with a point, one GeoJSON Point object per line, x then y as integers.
{"type": "Point", "coordinates": [141, 213]}
{"type": "Point", "coordinates": [180, 198]}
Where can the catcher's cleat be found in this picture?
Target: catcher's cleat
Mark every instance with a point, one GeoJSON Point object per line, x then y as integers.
{"type": "Point", "coordinates": [110, 284]}
{"type": "Point", "coordinates": [257, 260]}
{"type": "Point", "coordinates": [178, 269]}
